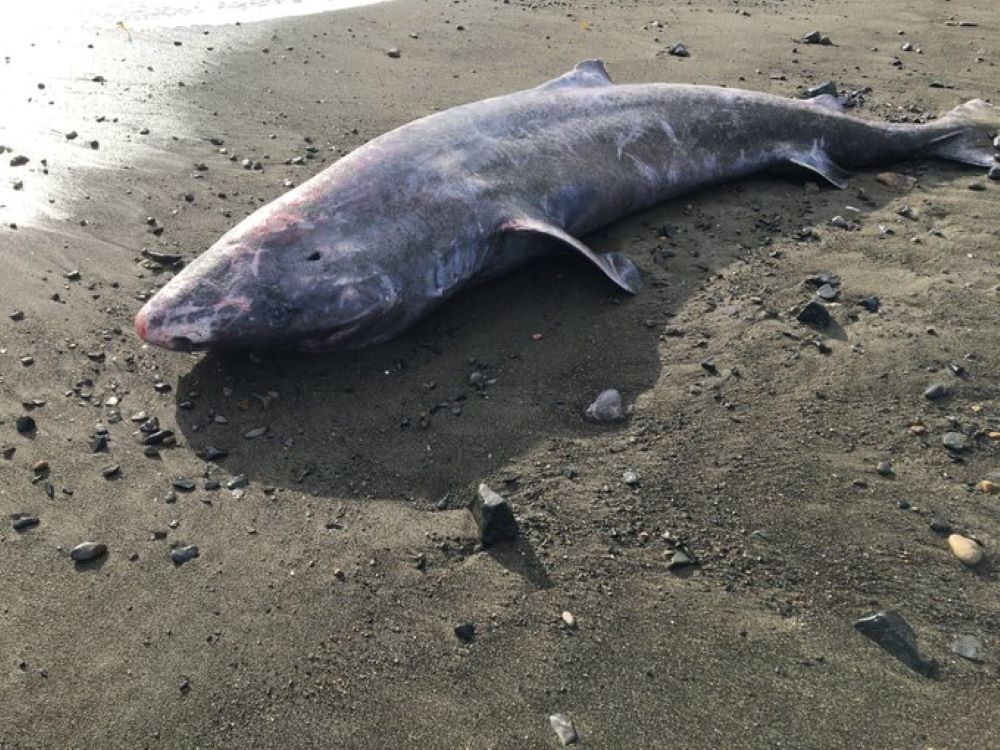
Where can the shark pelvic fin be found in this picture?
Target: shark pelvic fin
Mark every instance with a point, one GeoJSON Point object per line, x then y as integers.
{"type": "Point", "coordinates": [586, 74]}
{"type": "Point", "coordinates": [819, 162]}
{"type": "Point", "coordinates": [616, 266]}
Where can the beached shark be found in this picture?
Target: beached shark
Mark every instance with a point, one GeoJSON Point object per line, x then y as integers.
{"type": "Point", "coordinates": [368, 246]}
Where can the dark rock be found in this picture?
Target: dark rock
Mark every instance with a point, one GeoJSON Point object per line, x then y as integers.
{"type": "Point", "coordinates": [211, 453]}
{"type": "Point", "coordinates": [679, 50]}
{"type": "Point", "coordinates": [17, 316]}
{"type": "Point", "coordinates": [24, 424]}
{"type": "Point", "coordinates": [935, 392]}
{"type": "Point", "coordinates": [682, 558]}
{"type": "Point", "coordinates": [87, 551]}
{"type": "Point", "coordinates": [212, 485]}
{"type": "Point", "coordinates": [19, 161]}
{"type": "Point", "coordinates": [607, 407]}
{"type": "Point", "coordinates": [466, 632]}
{"type": "Point", "coordinates": [814, 313]}
{"type": "Point", "coordinates": [890, 631]}
{"type": "Point", "coordinates": [821, 279]}
{"type": "Point", "coordinates": [940, 526]}
{"type": "Point", "coordinates": [884, 468]}
{"type": "Point", "coordinates": [98, 443]}
{"type": "Point", "coordinates": [21, 523]}
{"type": "Point", "coordinates": [240, 480]}
{"type": "Point", "coordinates": [181, 555]}
{"type": "Point", "coordinates": [493, 515]}
{"type": "Point", "coordinates": [994, 173]}
{"type": "Point", "coordinates": [393, 52]}
{"type": "Point", "coordinates": [871, 304]}
{"type": "Point", "coordinates": [156, 438]}
{"type": "Point", "coordinates": [708, 365]}
{"type": "Point", "coordinates": [183, 484]}
{"type": "Point", "coordinates": [110, 472]}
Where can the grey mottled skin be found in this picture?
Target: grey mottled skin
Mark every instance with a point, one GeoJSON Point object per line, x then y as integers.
{"type": "Point", "coordinates": [365, 248]}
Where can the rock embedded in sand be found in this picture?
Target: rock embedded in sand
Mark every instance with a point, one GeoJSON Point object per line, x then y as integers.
{"type": "Point", "coordinates": [393, 52]}
{"type": "Point", "coordinates": [935, 392]}
{"type": "Point", "coordinates": [884, 468]}
{"type": "Point", "coordinates": [19, 161]}
{"type": "Point", "coordinates": [24, 424]}
{"type": "Point", "coordinates": [814, 313]}
{"type": "Point", "coordinates": [564, 729]}
{"type": "Point", "coordinates": [967, 550]}
{"type": "Point", "coordinates": [994, 173]}
{"type": "Point", "coordinates": [968, 647]}
{"type": "Point", "coordinates": [827, 88]}
{"type": "Point", "coordinates": [22, 523]}
{"type": "Point", "coordinates": [569, 620]}
{"type": "Point", "coordinates": [86, 551]}
{"type": "Point", "coordinates": [679, 50]}
{"type": "Point", "coordinates": [890, 631]}
{"type": "Point", "coordinates": [494, 516]}
{"type": "Point", "coordinates": [181, 555]}
{"type": "Point", "coordinates": [466, 632]}
{"type": "Point", "coordinates": [607, 407]}
{"type": "Point", "coordinates": [630, 477]}
{"type": "Point", "coordinates": [955, 441]}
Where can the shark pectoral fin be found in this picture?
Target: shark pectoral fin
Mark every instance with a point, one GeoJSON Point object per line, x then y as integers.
{"type": "Point", "coordinates": [616, 266]}
{"type": "Point", "coordinates": [817, 161]}
{"type": "Point", "coordinates": [588, 73]}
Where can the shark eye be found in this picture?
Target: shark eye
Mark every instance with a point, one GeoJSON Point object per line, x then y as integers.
{"type": "Point", "coordinates": [314, 255]}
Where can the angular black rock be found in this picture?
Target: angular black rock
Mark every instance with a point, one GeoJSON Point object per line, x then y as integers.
{"type": "Point", "coordinates": [465, 632]}
{"type": "Point", "coordinates": [814, 313]}
{"type": "Point", "coordinates": [493, 515]}
{"type": "Point", "coordinates": [890, 631]}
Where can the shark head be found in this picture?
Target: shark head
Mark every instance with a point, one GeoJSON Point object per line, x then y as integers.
{"type": "Point", "coordinates": [274, 281]}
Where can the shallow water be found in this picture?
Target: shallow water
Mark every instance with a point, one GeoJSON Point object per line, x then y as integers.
{"type": "Point", "coordinates": [158, 13]}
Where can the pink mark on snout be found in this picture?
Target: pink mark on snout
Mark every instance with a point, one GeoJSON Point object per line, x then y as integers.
{"type": "Point", "coordinates": [141, 324]}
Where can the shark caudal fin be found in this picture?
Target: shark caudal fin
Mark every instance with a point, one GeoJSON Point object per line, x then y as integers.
{"type": "Point", "coordinates": [970, 140]}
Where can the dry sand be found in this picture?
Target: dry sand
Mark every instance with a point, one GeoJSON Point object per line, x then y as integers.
{"type": "Point", "coordinates": [321, 609]}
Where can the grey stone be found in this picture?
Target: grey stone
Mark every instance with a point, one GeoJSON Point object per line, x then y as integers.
{"type": "Point", "coordinates": [935, 392]}
{"type": "Point", "coordinates": [564, 729]}
{"type": "Point", "coordinates": [493, 515]}
{"type": "Point", "coordinates": [607, 407]}
{"type": "Point", "coordinates": [968, 647]}
{"type": "Point", "coordinates": [955, 441]}
{"type": "Point", "coordinates": [814, 313]}
{"type": "Point", "coordinates": [86, 551]}
{"type": "Point", "coordinates": [181, 555]}
{"type": "Point", "coordinates": [890, 631]}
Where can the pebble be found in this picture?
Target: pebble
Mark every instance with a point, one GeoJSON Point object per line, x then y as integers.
{"type": "Point", "coordinates": [679, 50]}
{"type": "Point", "coordinates": [256, 432]}
{"type": "Point", "coordinates": [87, 551]}
{"type": "Point", "coordinates": [494, 516]}
{"type": "Point", "coordinates": [393, 52]}
{"type": "Point", "coordinates": [968, 647]}
{"type": "Point", "coordinates": [955, 441]}
{"type": "Point", "coordinates": [890, 631]}
{"type": "Point", "coordinates": [940, 526]}
{"type": "Point", "coordinates": [237, 482]}
{"type": "Point", "coordinates": [40, 466]}
{"type": "Point", "coordinates": [568, 619]}
{"type": "Point", "coordinates": [19, 161]}
{"type": "Point", "coordinates": [630, 477]}
{"type": "Point", "coordinates": [607, 407]}
{"type": "Point", "coordinates": [935, 392]}
{"type": "Point", "coordinates": [466, 632]}
{"type": "Point", "coordinates": [564, 729]}
{"type": "Point", "coordinates": [110, 472]}
{"type": "Point", "coordinates": [987, 487]}
{"type": "Point", "coordinates": [884, 468]}
{"type": "Point", "coordinates": [967, 550]}
{"type": "Point", "coordinates": [871, 304]}
{"type": "Point", "coordinates": [181, 555]}
{"type": "Point", "coordinates": [994, 173]}
{"type": "Point", "coordinates": [680, 559]}
{"type": "Point", "coordinates": [827, 88]}
{"type": "Point", "coordinates": [814, 313]}
{"type": "Point", "coordinates": [25, 522]}
{"type": "Point", "coordinates": [841, 223]}
{"type": "Point", "coordinates": [828, 293]}
{"type": "Point", "coordinates": [24, 424]}
{"type": "Point", "coordinates": [183, 484]}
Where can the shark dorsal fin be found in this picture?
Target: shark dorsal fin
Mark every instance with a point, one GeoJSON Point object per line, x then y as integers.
{"type": "Point", "coordinates": [586, 74]}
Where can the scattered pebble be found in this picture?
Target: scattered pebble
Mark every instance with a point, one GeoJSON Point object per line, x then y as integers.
{"type": "Point", "coordinates": [814, 313]}
{"type": "Point", "coordinates": [955, 441]}
{"type": "Point", "coordinates": [22, 523]}
{"type": "Point", "coordinates": [889, 630]}
{"type": "Point", "coordinates": [607, 407]}
{"type": "Point", "coordinates": [466, 632]}
{"type": "Point", "coordinates": [86, 551]}
{"type": "Point", "coordinates": [181, 555]}
{"type": "Point", "coordinates": [967, 550]}
{"type": "Point", "coordinates": [568, 619]}
{"type": "Point", "coordinates": [493, 515]}
{"type": "Point", "coordinates": [564, 729]}
{"type": "Point", "coordinates": [968, 647]}
{"type": "Point", "coordinates": [393, 52]}
{"type": "Point", "coordinates": [884, 468]}
{"type": "Point", "coordinates": [987, 487]}
{"type": "Point", "coordinates": [24, 424]}
{"type": "Point", "coordinates": [679, 50]}
{"type": "Point", "coordinates": [935, 392]}
{"type": "Point", "coordinates": [630, 477]}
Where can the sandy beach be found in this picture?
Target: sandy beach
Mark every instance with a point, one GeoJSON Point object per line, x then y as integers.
{"type": "Point", "coordinates": [328, 495]}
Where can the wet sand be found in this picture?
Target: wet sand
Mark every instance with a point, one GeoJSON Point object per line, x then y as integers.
{"type": "Point", "coordinates": [322, 606]}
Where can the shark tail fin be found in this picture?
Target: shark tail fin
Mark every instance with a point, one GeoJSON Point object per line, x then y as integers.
{"type": "Point", "coordinates": [971, 131]}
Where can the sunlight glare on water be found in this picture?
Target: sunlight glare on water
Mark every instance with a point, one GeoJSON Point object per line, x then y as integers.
{"type": "Point", "coordinates": [19, 16]}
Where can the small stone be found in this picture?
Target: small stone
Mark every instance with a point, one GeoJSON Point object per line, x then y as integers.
{"type": "Point", "coordinates": [955, 441]}
{"type": "Point", "coordinates": [940, 526]}
{"type": "Point", "coordinates": [19, 161]}
{"type": "Point", "coordinates": [87, 551]}
{"type": "Point", "coordinates": [466, 632]}
{"type": "Point", "coordinates": [987, 487]}
{"type": "Point", "coordinates": [569, 620]}
{"type": "Point", "coordinates": [157, 437]}
{"type": "Point", "coordinates": [884, 468]}
{"type": "Point", "coordinates": [240, 480]}
{"type": "Point", "coordinates": [17, 316]}
{"type": "Point", "coordinates": [24, 424]}
{"type": "Point", "coordinates": [40, 466]}
{"type": "Point", "coordinates": [630, 477]}
{"type": "Point", "coordinates": [393, 52]}
{"type": "Point", "coordinates": [607, 407]}
{"type": "Point", "coordinates": [994, 173]}
{"type": "Point", "coordinates": [907, 47]}
{"type": "Point", "coordinates": [564, 729]}
{"type": "Point", "coordinates": [814, 313]}
{"type": "Point", "coordinates": [256, 432]}
{"type": "Point", "coordinates": [968, 647]}
{"type": "Point", "coordinates": [110, 472]}
{"type": "Point", "coordinates": [680, 559]}
{"type": "Point", "coordinates": [183, 484]}
{"type": "Point", "coordinates": [181, 555]}
{"type": "Point", "coordinates": [22, 523]}
{"type": "Point", "coordinates": [890, 631]}
{"type": "Point", "coordinates": [841, 223]}
{"type": "Point", "coordinates": [493, 515]}
{"type": "Point", "coordinates": [98, 443]}
{"type": "Point", "coordinates": [71, 135]}
{"type": "Point", "coordinates": [813, 37]}
{"type": "Point", "coordinates": [871, 304]}
{"type": "Point", "coordinates": [211, 453]}
{"type": "Point", "coordinates": [967, 550]}
{"type": "Point", "coordinates": [827, 88]}
{"type": "Point", "coordinates": [935, 392]}
{"type": "Point", "coordinates": [679, 50]}
{"type": "Point", "coordinates": [828, 293]}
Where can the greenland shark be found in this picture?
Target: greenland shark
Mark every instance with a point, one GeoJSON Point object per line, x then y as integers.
{"type": "Point", "coordinates": [367, 247]}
